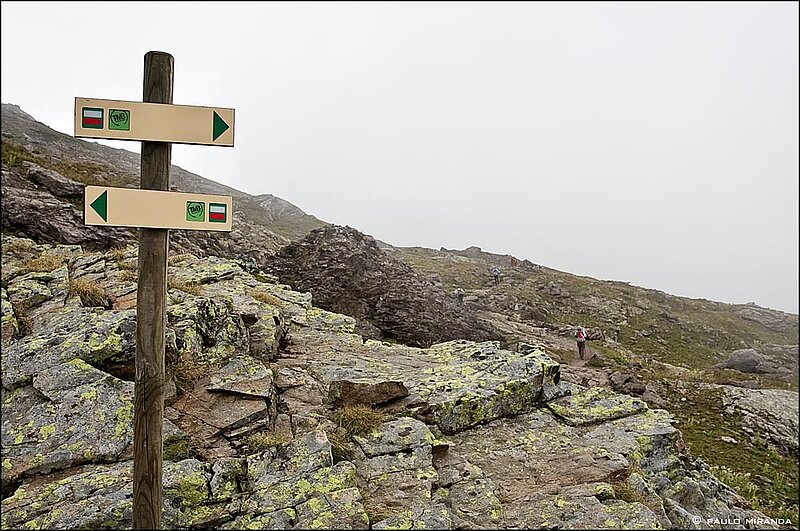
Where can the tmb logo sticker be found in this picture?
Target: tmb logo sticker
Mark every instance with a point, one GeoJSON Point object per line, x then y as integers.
{"type": "Point", "coordinates": [119, 120]}
{"type": "Point", "coordinates": [195, 211]}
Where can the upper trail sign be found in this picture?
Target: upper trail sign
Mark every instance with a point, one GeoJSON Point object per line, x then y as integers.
{"type": "Point", "coordinates": [154, 122]}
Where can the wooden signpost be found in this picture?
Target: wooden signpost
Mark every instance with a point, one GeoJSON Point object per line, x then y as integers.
{"type": "Point", "coordinates": [157, 124]}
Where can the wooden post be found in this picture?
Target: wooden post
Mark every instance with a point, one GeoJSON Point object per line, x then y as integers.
{"type": "Point", "coordinates": [148, 410]}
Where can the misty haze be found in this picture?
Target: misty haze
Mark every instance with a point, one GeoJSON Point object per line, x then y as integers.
{"type": "Point", "coordinates": [400, 265]}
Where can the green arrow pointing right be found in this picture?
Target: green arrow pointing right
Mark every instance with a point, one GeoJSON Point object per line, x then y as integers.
{"type": "Point", "coordinates": [219, 126]}
{"type": "Point", "coordinates": [100, 205]}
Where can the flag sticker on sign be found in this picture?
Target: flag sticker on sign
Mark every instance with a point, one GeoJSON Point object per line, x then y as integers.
{"type": "Point", "coordinates": [217, 212]}
{"type": "Point", "coordinates": [92, 118]}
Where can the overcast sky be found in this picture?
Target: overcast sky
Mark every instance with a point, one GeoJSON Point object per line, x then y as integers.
{"type": "Point", "coordinates": [654, 143]}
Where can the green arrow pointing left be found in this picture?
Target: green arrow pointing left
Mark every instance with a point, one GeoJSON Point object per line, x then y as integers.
{"type": "Point", "coordinates": [100, 205]}
{"type": "Point", "coordinates": [219, 126]}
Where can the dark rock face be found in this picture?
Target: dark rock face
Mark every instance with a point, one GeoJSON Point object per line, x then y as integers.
{"type": "Point", "coordinates": [38, 215]}
{"type": "Point", "coordinates": [347, 273]}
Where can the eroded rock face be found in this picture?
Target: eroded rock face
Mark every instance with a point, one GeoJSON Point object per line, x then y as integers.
{"type": "Point", "coordinates": [346, 272]}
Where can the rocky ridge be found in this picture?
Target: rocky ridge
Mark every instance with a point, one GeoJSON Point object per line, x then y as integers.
{"type": "Point", "coordinates": [473, 436]}
{"type": "Point", "coordinates": [347, 272]}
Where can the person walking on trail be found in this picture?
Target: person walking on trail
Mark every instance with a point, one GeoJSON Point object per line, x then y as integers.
{"type": "Point", "coordinates": [496, 275]}
{"type": "Point", "coordinates": [580, 336]}
{"type": "Point", "coordinates": [460, 295]}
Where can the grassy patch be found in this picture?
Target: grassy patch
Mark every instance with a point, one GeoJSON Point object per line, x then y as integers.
{"type": "Point", "coordinates": [85, 172]}
{"type": "Point", "coordinates": [42, 264]}
{"type": "Point", "coordinates": [267, 298]}
{"type": "Point", "coordinates": [90, 292]}
{"type": "Point", "coordinates": [358, 419]}
{"type": "Point", "coordinates": [129, 264]}
{"type": "Point", "coordinates": [259, 442]}
{"type": "Point", "coordinates": [341, 445]}
{"type": "Point", "coordinates": [192, 288]}
{"type": "Point", "coordinates": [18, 246]}
{"type": "Point", "coordinates": [24, 321]}
{"type": "Point", "coordinates": [128, 276]}
{"type": "Point", "coordinates": [184, 369]}
{"type": "Point", "coordinates": [118, 254]}
{"type": "Point", "coordinates": [178, 258]}
{"type": "Point", "coordinates": [14, 155]}
{"type": "Point", "coordinates": [758, 473]}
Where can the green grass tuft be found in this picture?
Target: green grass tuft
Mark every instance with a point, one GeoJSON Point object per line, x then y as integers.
{"type": "Point", "coordinates": [191, 288]}
{"type": "Point", "coordinates": [90, 292]}
{"type": "Point", "coordinates": [358, 419]}
{"type": "Point", "coordinates": [259, 442]}
{"type": "Point", "coordinates": [42, 264]}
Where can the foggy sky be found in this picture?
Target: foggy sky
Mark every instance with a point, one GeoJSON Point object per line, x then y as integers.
{"type": "Point", "coordinates": [654, 143]}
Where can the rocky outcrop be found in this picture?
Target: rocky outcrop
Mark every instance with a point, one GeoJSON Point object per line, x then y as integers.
{"type": "Point", "coordinates": [771, 414]}
{"type": "Point", "coordinates": [751, 361]}
{"type": "Point", "coordinates": [774, 320]}
{"type": "Point", "coordinates": [347, 272]}
{"type": "Point", "coordinates": [40, 216]}
{"type": "Point", "coordinates": [473, 437]}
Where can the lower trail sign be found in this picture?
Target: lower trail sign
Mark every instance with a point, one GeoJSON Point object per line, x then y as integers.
{"type": "Point", "coordinates": [155, 209]}
{"type": "Point", "coordinates": [157, 123]}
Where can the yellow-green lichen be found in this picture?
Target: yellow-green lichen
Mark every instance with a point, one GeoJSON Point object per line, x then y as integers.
{"type": "Point", "coordinates": [192, 490]}
{"type": "Point", "coordinates": [91, 394]}
{"type": "Point", "coordinates": [124, 419]}
{"type": "Point", "coordinates": [46, 431]}
{"type": "Point", "coordinates": [7, 464]}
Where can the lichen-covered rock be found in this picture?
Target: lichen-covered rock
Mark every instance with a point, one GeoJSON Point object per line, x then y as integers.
{"type": "Point", "coordinates": [246, 376]}
{"type": "Point", "coordinates": [93, 335]}
{"type": "Point", "coordinates": [300, 479]}
{"type": "Point", "coordinates": [365, 392]}
{"type": "Point", "coordinates": [94, 497]}
{"type": "Point", "coordinates": [9, 326]}
{"type": "Point", "coordinates": [101, 497]}
{"type": "Point", "coordinates": [395, 436]}
{"type": "Point", "coordinates": [453, 385]}
{"type": "Point", "coordinates": [585, 512]}
{"type": "Point", "coordinates": [71, 415]}
{"type": "Point", "coordinates": [537, 462]}
{"type": "Point", "coordinates": [593, 405]}
{"type": "Point", "coordinates": [772, 413]}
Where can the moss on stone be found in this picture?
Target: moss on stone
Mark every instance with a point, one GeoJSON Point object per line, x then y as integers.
{"type": "Point", "coordinates": [178, 448]}
{"type": "Point", "coordinates": [124, 419]}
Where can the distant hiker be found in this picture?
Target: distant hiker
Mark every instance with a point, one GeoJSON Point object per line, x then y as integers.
{"type": "Point", "coordinates": [460, 295]}
{"type": "Point", "coordinates": [580, 335]}
{"type": "Point", "coordinates": [496, 275]}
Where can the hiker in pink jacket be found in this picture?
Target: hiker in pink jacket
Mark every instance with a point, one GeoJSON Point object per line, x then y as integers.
{"type": "Point", "coordinates": [580, 335]}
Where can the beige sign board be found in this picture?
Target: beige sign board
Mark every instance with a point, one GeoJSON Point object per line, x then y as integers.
{"type": "Point", "coordinates": [133, 207]}
{"type": "Point", "coordinates": [154, 122]}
